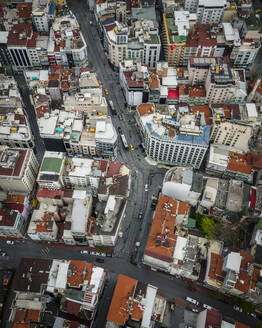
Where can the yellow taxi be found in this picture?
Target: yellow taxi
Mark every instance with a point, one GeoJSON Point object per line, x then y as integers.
{"type": "Point", "coordinates": [131, 147]}
{"type": "Point", "coordinates": [106, 92]}
{"type": "Point", "coordinates": [258, 11]}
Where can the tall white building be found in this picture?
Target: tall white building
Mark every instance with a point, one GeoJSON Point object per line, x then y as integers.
{"type": "Point", "coordinates": [18, 170]}
{"type": "Point", "coordinates": [210, 11]}
{"type": "Point", "coordinates": [173, 137]}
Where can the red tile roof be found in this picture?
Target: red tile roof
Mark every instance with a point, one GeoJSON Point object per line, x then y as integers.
{"type": "Point", "coordinates": [80, 271]}
{"type": "Point", "coordinates": [19, 35]}
{"type": "Point", "coordinates": [73, 307]}
{"type": "Point", "coordinates": [162, 238]}
{"type": "Point", "coordinates": [239, 163]}
{"type": "Point", "coordinates": [243, 282]}
{"type": "Point", "coordinates": [132, 83]}
{"type": "Point", "coordinates": [46, 193]}
{"type": "Point", "coordinates": [145, 109]}
{"type": "Point", "coordinates": [15, 171]}
{"type": "Point", "coordinates": [113, 169]}
{"type": "Point", "coordinates": [216, 265]}
{"type": "Point", "coordinates": [122, 305]}
{"type": "Point", "coordinates": [213, 319]}
{"type": "Point", "coordinates": [203, 109]}
{"type": "Point", "coordinates": [24, 10]}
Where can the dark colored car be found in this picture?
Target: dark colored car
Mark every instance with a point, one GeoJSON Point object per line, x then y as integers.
{"type": "Point", "coordinates": [98, 260]}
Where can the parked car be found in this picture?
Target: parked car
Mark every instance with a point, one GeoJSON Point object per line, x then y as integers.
{"type": "Point", "coordinates": [205, 306]}
{"type": "Point", "coordinates": [195, 310]}
{"type": "Point", "coordinates": [146, 187]}
{"type": "Point", "coordinates": [10, 242]}
{"type": "Point", "coordinates": [84, 252]}
{"type": "Point", "coordinates": [100, 260]}
{"type": "Point", "coordinates": [237, 308]}
{"type": "Point", "coordinates": [253, 315]}
{"type": "Point", "coordinates": [140, 215]}
{"type": "Point", "coordinates": [3, 254]}
{"type": "Point", "coordinates": [191, 300]}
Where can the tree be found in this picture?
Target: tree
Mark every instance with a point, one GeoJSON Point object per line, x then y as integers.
{"type": "Point", "coordinates": [208, 225]}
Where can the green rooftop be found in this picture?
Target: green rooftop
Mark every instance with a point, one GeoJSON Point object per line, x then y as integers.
{"type": "Point", "coordinates": [191, 223]}
{"type": "Point", "coordinates": [51, 164]}
{"type": "Point", "coordinates": [172, 29]}
{"type": "Point", "coordinates": [74, 294]}
{"type": "Point", "coordinates": [154, 39]}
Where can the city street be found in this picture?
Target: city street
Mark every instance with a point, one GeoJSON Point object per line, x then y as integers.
{"type": "Point", "coordinates": [134, 229]}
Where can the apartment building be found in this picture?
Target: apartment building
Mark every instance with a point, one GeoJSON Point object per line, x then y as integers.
{"type": "Point", "coordinates": [210, 11]}
{"type": "Point", "coordinates": [21, 39]}
{"type": "Point", "coordinates": [117, 40]}
{"type": "Point", "coordinates": [81, 125]}
{"type": "Point", "coordinates": [79, 285]}
{"type": "Point", "coordinates": [191, 6]}
{"type": "Point", "coordinates": [18, 170]}
{"type": "Point", "coordinates": [202, 42]}
{"type": "Point", "coordinates": [234, 273]}
{"type": "Point", "coordinates": [182, 184]}
{"type": "Point", "coordinates": [167, 249]}
{"type": "Point", "coordinates": [174, 35]}
{"type": "Point", "coordinates": [173, 136]}
{"type": "Point", "coordinates": [144, 42]}
{"type": "Point", "coordinates": [50, 172]}
{"type": "Point", "coordinates": [219, 84]}
{"type": "Point", "coordinates": [66, 45]}
{"type": "Point", "coordinates": [14, 127]}
{"type": "Point", "coordinates": [227, 164]}
{"type": "Point", "coordinates": [234, 136]}
{"type": "Point", "coordinates": [198, 69]}
{"type": "Point", "coordinates": [14, 215]}
{"type": "Point", "coordinates": [133, 76]}
{"type": "Point", "coordinates": [244, 50]}
{"type": "Point", "coordinates": [5, 57]}
{"type": "Point", "coordinates": [135, 301]}
{"type": "Point", "coordinates": [40, 17]}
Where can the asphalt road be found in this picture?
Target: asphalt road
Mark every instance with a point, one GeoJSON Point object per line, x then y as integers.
{"type": "Point", "coordinates": [133, 228]}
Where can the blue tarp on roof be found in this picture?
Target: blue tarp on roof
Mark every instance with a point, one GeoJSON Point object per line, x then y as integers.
{"type": "Point", "coordinates": [52, 8]}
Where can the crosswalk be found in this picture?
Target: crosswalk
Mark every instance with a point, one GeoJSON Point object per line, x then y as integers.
{"type": "Point", "coordinates": [44, 252]}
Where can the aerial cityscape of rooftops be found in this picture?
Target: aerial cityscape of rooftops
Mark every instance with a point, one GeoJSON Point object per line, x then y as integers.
{"type": "Point", "coordinates": [130, 163]}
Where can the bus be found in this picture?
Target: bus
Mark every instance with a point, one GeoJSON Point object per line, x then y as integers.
{"type": "Point", "coordinates": [123, 138]}
{"type": "Point", "coordinates": [111, 105]}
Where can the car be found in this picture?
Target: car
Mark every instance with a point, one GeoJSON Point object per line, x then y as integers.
{"type": "Point", "coordinates": [206, 306]}
{"type": "Point", "coordinates": [252, 315]}
{"type": "Point", "coordinates": [100, 260]}
{"type": "Point", "coordinates": [121, 117]}
{"type": "Point", "coordinates": [140, 215]}
{"type": "Point", "coordinates": [237, 308]}
{"type": "Point", "coordinates": [119, 129]}
{"type": "Point", "coordinates": [10, 242]}
{"type": "Point", "coordinates": [146, 187]}
{"type": "Point", "coordinates": [191, 300]}
{"type": "Point", "coordinates": [84, 252]}
{"type": "Point", "coordinates": [258, 11]}
{"type": "Point", "coordinates": [3, 254]}
{"type": "Point", "coordinates": [106, 92]}
{"type": "Point", "coordinates": [195, 310]}
{"type": "Point", "coordinates": [131, 147]}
